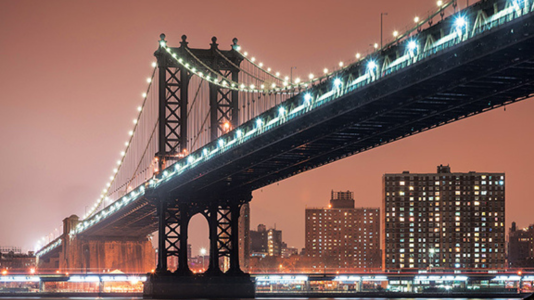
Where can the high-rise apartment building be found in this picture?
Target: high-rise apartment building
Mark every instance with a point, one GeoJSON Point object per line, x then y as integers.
{"type": "Point", "coordinates": [521, 247]}
{"type": "Point", "coordinates": [265, 242]}
{"type": "Point", "coordinates": [443, 220]}
{"type": "Point", "coordinates": [342, 236]}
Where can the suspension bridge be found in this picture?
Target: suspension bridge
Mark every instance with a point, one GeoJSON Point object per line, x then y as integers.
{"type": "Point", "coordinates": [216, 125]}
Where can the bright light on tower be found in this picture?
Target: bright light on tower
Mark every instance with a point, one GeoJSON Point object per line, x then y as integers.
{"type": "Point", "coordinates": [371, 65]}
{"type": "Point", "coordinates": [307, 97]}
{"type": "Point", "coordinates": [412, 45]}
{"type": "Point", "coordinates": [258, 122]}
{"type": "Point", "coordinates": [281, 110]}
{"type": "Point", "coordinates": [337, 82]}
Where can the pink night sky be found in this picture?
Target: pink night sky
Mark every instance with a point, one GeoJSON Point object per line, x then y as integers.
{"type": "Point", "coordinates": [72, 74]}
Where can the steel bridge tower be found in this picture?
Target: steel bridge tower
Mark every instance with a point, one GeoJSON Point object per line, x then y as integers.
{"type": "Point", "coordinates": [176, 210]}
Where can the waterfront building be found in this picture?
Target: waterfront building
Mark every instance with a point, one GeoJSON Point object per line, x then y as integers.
{"type": "Point", "coordinates": [265, 242]}
{"type": "Point", "coordinates": [443, 220]}
{"type": "Point", "coordinates": [342, 237]}
{"type": "Point", "coordinates": [244, 237]}
{"type": "Point", "coordinates": [521, 247]}
{"type": "Point", "coordinates": [12, 259]}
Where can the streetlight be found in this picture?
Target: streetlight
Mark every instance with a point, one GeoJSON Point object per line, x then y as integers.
{"type": "Point", "coordinates": [382, 14]}
{"type": "Point", "coordinates": [291, 74]}
{"type": "Point", "coordinates": [203, 253]}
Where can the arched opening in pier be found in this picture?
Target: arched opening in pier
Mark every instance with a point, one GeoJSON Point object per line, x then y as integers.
{"type": "Point", "coordinates": [198, 244]}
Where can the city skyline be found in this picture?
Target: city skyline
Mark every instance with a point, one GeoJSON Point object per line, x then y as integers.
{"type": "Point", "coordinates": [61, 140]}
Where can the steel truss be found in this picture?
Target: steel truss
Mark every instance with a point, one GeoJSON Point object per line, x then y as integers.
{"type": "Point", "coordinates": [222, 215]}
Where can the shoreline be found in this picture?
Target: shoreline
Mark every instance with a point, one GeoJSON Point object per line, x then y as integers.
{"type": "Point", "coordinates": [390, 295]}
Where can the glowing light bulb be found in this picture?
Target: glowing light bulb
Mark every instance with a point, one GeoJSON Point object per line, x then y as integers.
{"type": "Point", "coordinates": [460, 22]}
{"type": "Point", "coordinates": [440, 3]}
{"type": "Point", "coordinates": [123, 153]}
{"type": "Point", "coordinates": [371, 65]}
{"type": "Point", "coordinates": [139, 108]}
{"type": "Point", "coordinates": [115, 170]}
{"type": "Point", "coordinates": [281, 110]}
{"type": "Point", "coordinates": [412, 45]}
{"type": "Point", "coordinates": [258, 122]}
{"type": "Point", "coordinates": [310, 76]}
{"type": "Point", "coordinates": [307, 97]}
{"type": "Point", "coordinates": [262, 86]}
{"type": "Point", "coordinates": [286, 78]}
{"type": "Point", "coordinates": [135, 121]}
{"type": "Point", "coordinates": [261, 64]}
{"type": "Point", "coordinates": [341, 64]}
{"type": "Point", "coordinates": [337, 82]}
{"type": "Point", "coordinates": [144, 95]}
{"type": "Point", "coordinates": [126, 144]}
{"type": "Point", "coordinates": [268, 69]}
{"type": "Point", "coordinates": [277, 74]}
{"type": "Point", "coordinates": [253, 59]}
{"type": "Point", "coordinates": [149, 80]}
{"type": "Point", "coordinates": [131, 132]}
{"type": "Point", "coordinates": [358, 55]}
{"type": "Point", "coordinates": [273, 85]}
{"type": "Point", "coordinates": [416, 19]}
{"type": "Point", "coordinates": [242, 85]}
{"type": "Point", "coordinates": [376, 45]}
{"type": "Point", "coordinates": [325, 70]}
{"type": "Point", "coordinates": [252, 86]}
{"type": "Point", "coordinates": [118, 162]}
{"type": "Point", "coordinates": [154, 64]}
{"type": "Point", "coordinates": [395, 33]}
{"type": "Point", "coordinates": [297, 80]}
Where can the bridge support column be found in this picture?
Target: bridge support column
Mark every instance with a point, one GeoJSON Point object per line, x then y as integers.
{"type": "Point", "coordinates": [183, 266]}
{"type": "Point", "coordinates": [223, 214]}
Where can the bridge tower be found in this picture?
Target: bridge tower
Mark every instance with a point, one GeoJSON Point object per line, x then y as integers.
{"type": "Point", "coordinates": [176, 208]}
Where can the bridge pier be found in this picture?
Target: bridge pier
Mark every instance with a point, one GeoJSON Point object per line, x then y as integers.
{"type": "Point", "coordinates": [97, 254]}
{"type": "Point", "coordinates": [222, 213]}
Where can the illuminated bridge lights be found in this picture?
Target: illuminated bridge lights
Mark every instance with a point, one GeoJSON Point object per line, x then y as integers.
{"type": "Point", "coordinates": [337, 82]}
{"type": "Point", "coordinates": [247, 131]}
{"type": "Point", "coordinates": [412, 45]}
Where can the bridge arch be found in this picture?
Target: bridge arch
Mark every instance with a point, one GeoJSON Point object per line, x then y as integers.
{"type": "Point", "coordinates": [199, 240]}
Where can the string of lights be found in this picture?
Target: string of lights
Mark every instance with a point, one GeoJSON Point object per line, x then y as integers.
{"type": "Point", "coordinates": [229, 84]}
